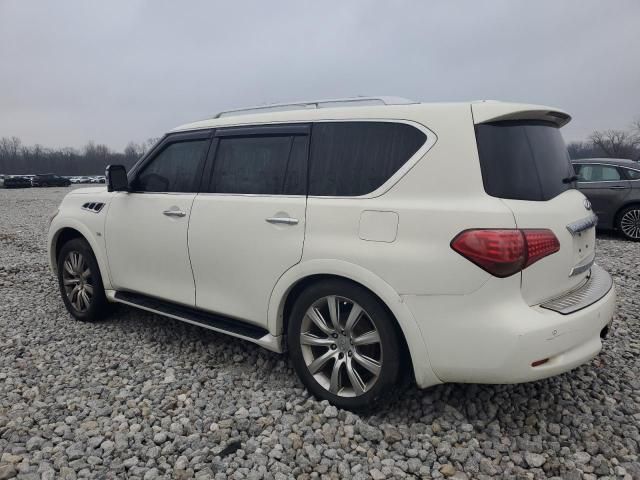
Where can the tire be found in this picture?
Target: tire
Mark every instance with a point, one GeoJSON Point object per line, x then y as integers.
{"type": "Point", "coordinates": [316, 346]}
{"type": "Point", "coordinates": [628, 223]}
{"type": "Point", "coordinates": [74, 261]}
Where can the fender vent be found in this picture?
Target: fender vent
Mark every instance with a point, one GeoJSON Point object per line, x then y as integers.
{"type": "Point", "coordinates": [93, 206]}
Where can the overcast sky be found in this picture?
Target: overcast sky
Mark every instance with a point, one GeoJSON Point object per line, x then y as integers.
{"type": "Point", "coordinates": [115, 71]}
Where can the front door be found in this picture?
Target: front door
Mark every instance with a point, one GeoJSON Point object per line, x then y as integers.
{"type": "Point", "coordinates": [146, 228]}
{"type": "Point", "coordinates": [605, 188]}
{"type": "Point", "coordinates": [247, 229]}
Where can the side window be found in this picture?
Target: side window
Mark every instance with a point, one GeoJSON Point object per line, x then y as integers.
{"type": "Point", "coordinates": [266, 165]}
{"type": "Point", "coordinates": [177, 168]}
{"type": "Point", "coordinates": [632, 174]}
{"type": "Point", "coordinates": [355, 158]}
{"type": "Point", "coordinates": [598, 173]}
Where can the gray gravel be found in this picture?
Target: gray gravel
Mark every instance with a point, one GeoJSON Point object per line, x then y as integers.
{"type": "Point", "coordinates": [141, 396]}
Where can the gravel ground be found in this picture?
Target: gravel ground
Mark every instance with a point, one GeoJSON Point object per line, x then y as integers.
{"type": "Point", "coordinates": [141, 396]}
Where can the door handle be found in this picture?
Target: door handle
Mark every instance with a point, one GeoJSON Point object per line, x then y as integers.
{"type": "Point", "coordinates": [618, 187]}
{"type": "Point", "coordinates": [174, 213]}
{"type": "Point", "coordinates": [284, 220]}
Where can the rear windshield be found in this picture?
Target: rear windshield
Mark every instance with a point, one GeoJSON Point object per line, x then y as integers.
{"type": "Point", "coordinates": [523, 160]}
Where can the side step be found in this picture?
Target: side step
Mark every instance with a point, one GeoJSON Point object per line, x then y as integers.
{"type": "Point", "coordinates": [219, 323]}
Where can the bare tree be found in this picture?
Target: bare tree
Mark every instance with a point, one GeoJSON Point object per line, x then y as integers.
{"type": "Point", "coordinates": [616, 143]}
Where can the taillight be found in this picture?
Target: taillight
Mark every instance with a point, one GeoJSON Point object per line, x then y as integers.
{"type": "Point", "coordinates": [540, 243]}
{"type": "Point", "coordinates": [503, 252]}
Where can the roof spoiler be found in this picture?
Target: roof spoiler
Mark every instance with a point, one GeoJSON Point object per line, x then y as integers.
{"type": "Point", "coordinates": [489, 111]}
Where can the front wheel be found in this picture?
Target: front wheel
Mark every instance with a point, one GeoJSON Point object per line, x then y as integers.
{"type": "Point", "coordinates": [629, 222]}
{"type": "Point", "coordinates": [343, 344]}
{"type": "Point", "coordinates": [80, 281]}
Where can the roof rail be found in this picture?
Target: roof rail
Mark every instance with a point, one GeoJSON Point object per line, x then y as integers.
{"type": "Point", "coordinates": [317, 104]}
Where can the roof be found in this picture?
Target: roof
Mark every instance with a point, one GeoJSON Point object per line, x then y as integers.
{"type": "Point", "coordinates": [383, 108]}
{"type": "Point", "coordinates": [621, 162]}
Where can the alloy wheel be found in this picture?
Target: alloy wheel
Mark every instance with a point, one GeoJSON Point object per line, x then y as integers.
{"type": "Point", "coordinates": [77, 281]}
{"type": "Point", "coordinates": [341, 346]}
{"type": "Point", "coordinates": [630, 223]}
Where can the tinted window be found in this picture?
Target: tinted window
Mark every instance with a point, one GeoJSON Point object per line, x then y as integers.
{"type": "Point", "coordinates": [633, 174]}
{"type": "Point", "coordinates": [355, 158]}
{"type": "Point", "coordinates": [523, 160]}
{"type": "Point", "coordinates": [597, 173]}
{"type": "Point", "coordinates": [177, 168]}
{"type": "Point", "coordinates": [268, 165]}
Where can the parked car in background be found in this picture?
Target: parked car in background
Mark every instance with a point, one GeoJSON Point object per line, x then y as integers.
{"type": "Point", "coordinates": [49, 180]}
{"type": "Point", "coordinates": [378, 239]}
{"type": "Point", "coordinates": [16, 181]}
{"type": "Point", "coordinates": [97, 179]}
{"type": "Point", "coordinates": [613, 187]}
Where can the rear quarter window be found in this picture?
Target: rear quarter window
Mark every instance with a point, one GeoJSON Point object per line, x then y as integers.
{"type": "Point", "coordinates": [632, 174]}
{"type": "Point", "coordinates": [355, 158]}
{"type": "Point", "coordinates": [523, 160]}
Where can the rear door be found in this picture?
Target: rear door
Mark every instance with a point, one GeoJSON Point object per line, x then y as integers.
{"type": "Point", "coordinates": [605, 187]}
{"type": "Point", "coordinates": [247, 226]}
{"type": "Point", "coordinates": [526, 164]}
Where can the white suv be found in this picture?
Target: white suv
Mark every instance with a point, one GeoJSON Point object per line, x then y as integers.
{"type": "Point", "coordinates": [371, 238]}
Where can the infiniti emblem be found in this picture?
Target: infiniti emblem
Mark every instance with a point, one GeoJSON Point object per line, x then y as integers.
{"type": "Point", "coordinates": [587, 204]}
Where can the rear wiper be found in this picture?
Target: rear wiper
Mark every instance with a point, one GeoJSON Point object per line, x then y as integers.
{"type": "Point", "coordinates": [570, 179]}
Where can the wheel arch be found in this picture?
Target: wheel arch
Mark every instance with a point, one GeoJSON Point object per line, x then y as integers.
{"type": "Point", "coordinates": [60, 233]}
{"type": "Point", "coordinates": [62, 237]}
{"type": "Point", "coordinates": [295, 280]}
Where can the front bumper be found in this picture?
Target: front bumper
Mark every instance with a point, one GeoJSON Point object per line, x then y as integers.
{"type": "Point", "coordinates": [493, 336]}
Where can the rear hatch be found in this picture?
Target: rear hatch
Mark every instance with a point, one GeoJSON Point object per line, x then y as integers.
{"type": "Point", "coordinates": [524, 162]}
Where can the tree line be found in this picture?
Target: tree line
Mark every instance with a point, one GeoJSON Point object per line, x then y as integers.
{"type": "Point", "coordinates": [92, 159]}
{"type": "Point", "coordinates": [17, 158]}
{"type": "Point", "coordinates": [609, 144]}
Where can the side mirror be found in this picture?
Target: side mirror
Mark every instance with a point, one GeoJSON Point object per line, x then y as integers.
{"type": "Point", "coordinates": [117, 180]}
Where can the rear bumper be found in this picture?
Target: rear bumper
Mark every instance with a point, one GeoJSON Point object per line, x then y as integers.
{"type": "Point", "coordinates": [493, 336]}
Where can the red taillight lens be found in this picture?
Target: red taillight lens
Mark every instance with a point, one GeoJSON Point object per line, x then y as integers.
{"type": "Point", "coordinates": [505, 252]}
{"type": "Point", "coordinates": [499, 252]}
{"type": "Point", "coordinates": [540, 243]}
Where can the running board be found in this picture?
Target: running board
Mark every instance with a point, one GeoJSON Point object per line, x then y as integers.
{"type": "Point", "coordinates": [212, 321]}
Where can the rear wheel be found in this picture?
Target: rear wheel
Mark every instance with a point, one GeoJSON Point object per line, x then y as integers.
{"type": "Point", "coordinates": [80, 281]}
{"type": "Point", "coordinates": [629, 222]}
{"type": "Point", "coordinates": [343, 344]}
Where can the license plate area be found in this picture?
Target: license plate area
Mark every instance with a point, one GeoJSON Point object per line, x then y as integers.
{"type": "Point", "coordinates": [583, 246]}
{"type": "Point", "coordinates": [584, 251]}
